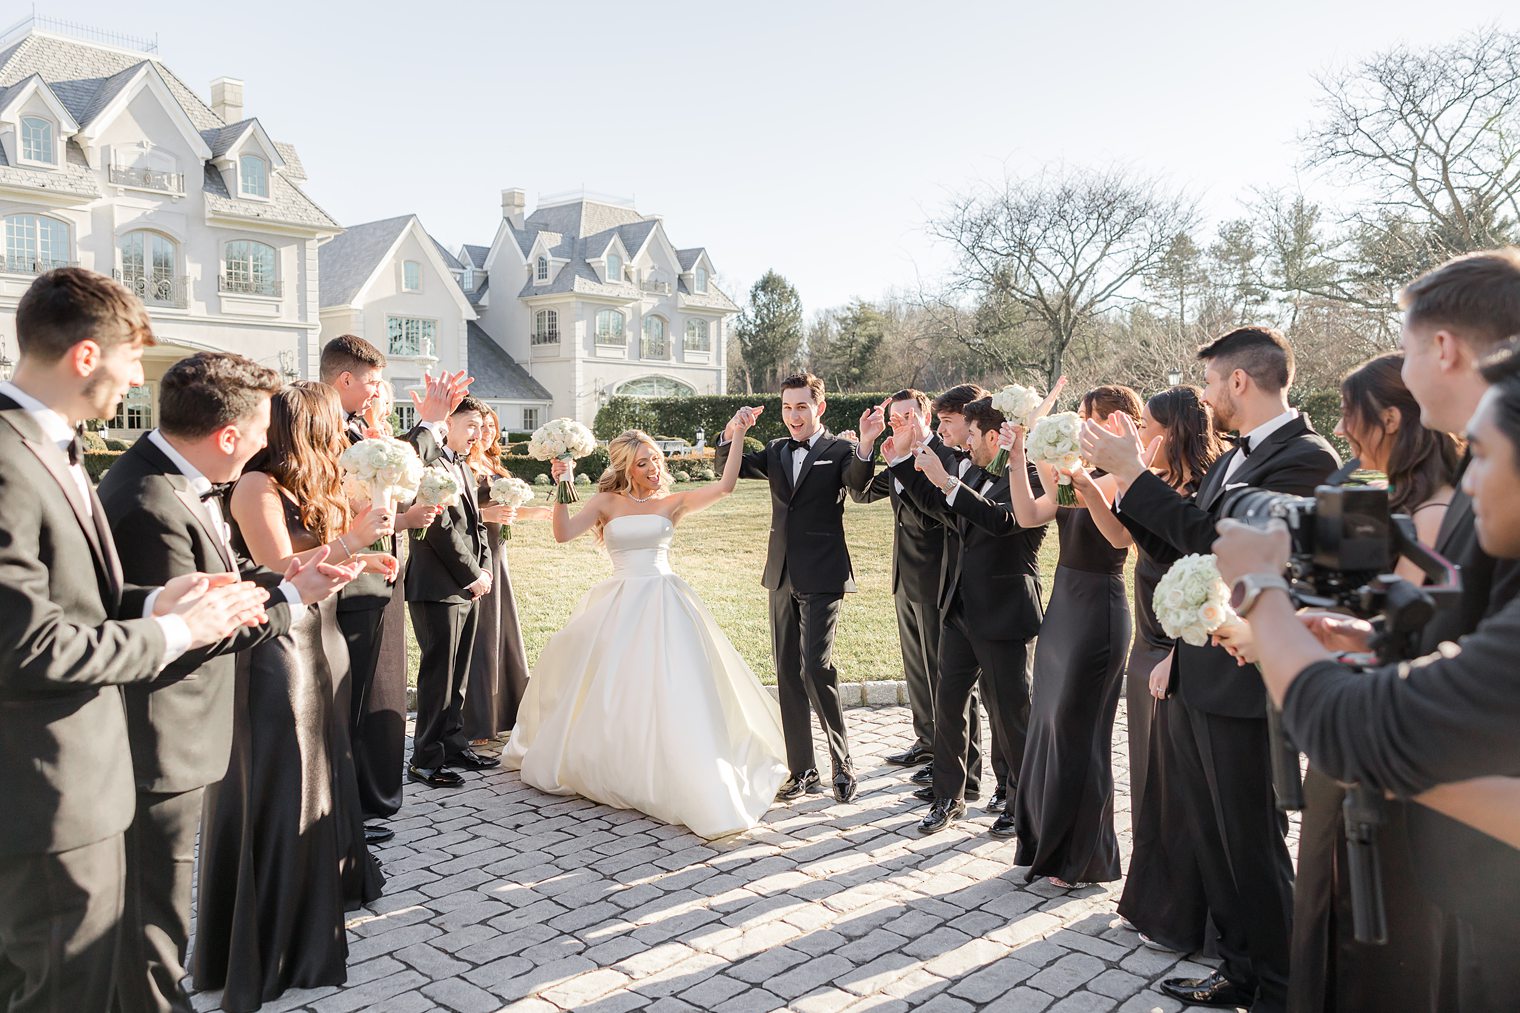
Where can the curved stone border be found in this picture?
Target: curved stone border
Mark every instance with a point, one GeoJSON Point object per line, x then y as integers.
{"type": "Point", "coordinates": [851, 694]}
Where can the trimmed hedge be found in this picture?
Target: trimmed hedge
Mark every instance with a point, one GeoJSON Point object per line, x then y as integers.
{"type": "Point", "coordinates": [527, 469]}
{"type": "Point", "coordinates": [681, 417]}
{"type": "Point", "coordinates": [97, 461]}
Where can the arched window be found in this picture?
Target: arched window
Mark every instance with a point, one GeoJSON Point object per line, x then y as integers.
{"type": "Point", "coordinates": [543, 269]}
{"type": "Point", "coordinates": [655, 386]}
{"type": "Point", "coordinates": [655, 346]}
{"type": "Point", "coordinates": [614, 268]}
{"type": "Point", "coordinates": [35, 243]}
{"type": "Point", "coordinates": [696, 336]}
{"type": "Point", "coordinates": [37, 140]}
{"type": "Point", "coordinates": [546, 327]}
{"type": "Point", "coordinates": [253, 176]}
{"type": "Point", "coordinates": [609, 328]}
{"type": "Point", "coordinates": [150, 268]}
{"type": "Point", "coordinates": [248, 268]}
{"type": "Point", "coordinates": [699, 280]}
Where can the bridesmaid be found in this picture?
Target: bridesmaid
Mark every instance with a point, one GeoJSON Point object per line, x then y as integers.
{"type": "Point", "coordinates": [282, 846]}
{"type": "Point", "coordinates": [1163, 893]}
{"type": "Point", "coordinates": [498, 665]}
{"type": "Point", "coordinates": [1064, 812]}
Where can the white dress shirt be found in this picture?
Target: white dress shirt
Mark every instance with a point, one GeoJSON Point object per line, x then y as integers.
{"type": "Point", "coordinates": [56, 428]}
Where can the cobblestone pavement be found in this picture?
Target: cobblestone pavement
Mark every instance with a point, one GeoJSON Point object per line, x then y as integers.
{"type": "Point", "coordinates": [501, 897]}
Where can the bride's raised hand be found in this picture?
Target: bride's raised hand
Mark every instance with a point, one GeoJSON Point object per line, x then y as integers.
{"type": "Point", "coordinates": [743, 421]}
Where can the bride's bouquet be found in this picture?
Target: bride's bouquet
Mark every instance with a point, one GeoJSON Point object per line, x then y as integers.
{"type": "Point", "coordinates": [439, 487]}
{"type": "Point", "coordinates": [1191, 600]}
{"type": "Point", "coordinates": [510, 491]}
{"type": "Point", "coordinates": [1054, 440]}
{"type": "Point", "coordinates": [380, 470]}
{"type": "Point", "coordinates": [1017, 403]}
{"type": "Point", "coordinates": [567, 440]}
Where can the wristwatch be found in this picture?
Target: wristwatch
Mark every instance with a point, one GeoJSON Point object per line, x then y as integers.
{"type": "Point", "coordinates": [1247, 591]}
{"type": "Point", "coordinates": [951, 484]}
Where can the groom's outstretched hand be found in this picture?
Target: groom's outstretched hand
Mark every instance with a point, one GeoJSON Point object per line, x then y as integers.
{"type": "Point", "coordinates": [743, 421]}
{"type": "Point", "coordinates": [873, 422]}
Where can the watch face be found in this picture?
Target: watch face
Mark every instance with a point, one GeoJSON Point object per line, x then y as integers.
{"type": "Point", "coordinates": [1239, 593]}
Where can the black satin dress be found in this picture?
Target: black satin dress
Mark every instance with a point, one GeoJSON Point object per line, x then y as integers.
{"type": "Point", "coordinates": [1064, 809]}
{"type": "Point", "coordinates": [282, 852]}
{"type": "Point", "coordinates": [499, 664]}
{"type": "Point", "coordinates": [1163, 893]}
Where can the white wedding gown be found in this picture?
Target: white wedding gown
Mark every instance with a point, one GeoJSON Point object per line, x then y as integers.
{"type": "Point", "coordinates": [641, 702]}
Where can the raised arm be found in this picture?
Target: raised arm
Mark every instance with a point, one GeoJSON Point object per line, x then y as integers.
{"type": "Point", "coordinates": [1101, 509]}
{"type": "Point", "coordinates": [1031, 511]}
{"type": "Point", "coordinates": [753, 463]}
{"type": "Point", "coordinates": [701, 499]}
{"type": "Point", "coordinates": [594, 512]}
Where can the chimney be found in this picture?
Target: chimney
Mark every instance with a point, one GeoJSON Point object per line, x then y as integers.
{"type": "Point", "coordinates": [513, 203]}
{"type": "Point", "coordinates": [227, 99]}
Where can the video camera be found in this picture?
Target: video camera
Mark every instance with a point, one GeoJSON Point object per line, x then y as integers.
{"type": "Point", "coordinates": [1346, 541]}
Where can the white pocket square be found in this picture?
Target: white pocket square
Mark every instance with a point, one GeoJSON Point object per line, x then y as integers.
{"type": "Point", "coordinates": [817, 463]}
{"type": "Point", "coordinates": [1236, 485]}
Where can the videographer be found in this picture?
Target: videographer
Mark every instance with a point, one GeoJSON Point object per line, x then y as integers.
{"type": "Point", "coordinates": [1219, 741]}
{"type": "Point", "coordinates": [1405, 729]}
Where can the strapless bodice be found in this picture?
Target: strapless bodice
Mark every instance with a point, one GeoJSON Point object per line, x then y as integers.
{"type": "Point", "coordinates": [639, 545]}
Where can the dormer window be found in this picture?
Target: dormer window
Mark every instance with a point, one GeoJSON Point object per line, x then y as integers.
{"type": "Point", "coordinates": [253, 176]}
{"type": "Point", "coordinates": [614, 268]}
{"type": "Point", "coordinates": [411, 276]}
{"type": "Point", "coordinates": [37, 140]}
{"type": "Point", "coordinates": [543, 269]}
{"type": "Point", "coordinates": [467, 279]}
{"type": "Point", "coordinates": [699, 280]}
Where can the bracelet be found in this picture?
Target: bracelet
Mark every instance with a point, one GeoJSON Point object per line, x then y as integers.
{"type": "Point", "coordinates": [347, 552]}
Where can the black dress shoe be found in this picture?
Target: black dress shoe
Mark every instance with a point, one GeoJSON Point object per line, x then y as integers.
{"type": "Point", "coordinates": [942, 813]}
{"type": "Point", "coordinates": [435, 777]}
{"type": "Point", "coordinates": [998, 802]}
{"type": "Point", "coordinates": [1215, 990]}
{"type": "Point", "coordinates": [374, 833]}
{"type": "Point", "coordinates": [845, 785]}
{"type": "Point", "coordinates": [911, 757]}
{"type": "Point", "coordinates": [923, 775]}
{"type": "Point", "coordinates": [471, 760]}
{"type": "Point", "coordinates": [1003, 826]}
{"type": "Point", "coordinates": [927, 794]}
{"type": "Point", "coordinates": [797, 784]}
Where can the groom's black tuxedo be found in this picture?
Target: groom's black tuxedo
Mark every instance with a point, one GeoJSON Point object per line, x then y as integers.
{"type": "Point", "coordinates": [1219, 741]}
{"type": "Point", "coordinates": [179, 726]}
{"type": "Point", "coordinates": [807, 570]}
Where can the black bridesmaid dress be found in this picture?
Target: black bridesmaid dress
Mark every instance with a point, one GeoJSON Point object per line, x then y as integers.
{"type": "Point", "coordinates": [1064, 809]}
{"type": "Point", "coordinates": [282, 852]}
{"type": "Point", "coordinates": [499, 665]}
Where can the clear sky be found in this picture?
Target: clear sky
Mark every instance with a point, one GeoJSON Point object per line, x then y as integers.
{"type": "Point", "coordinates": [815, 138]}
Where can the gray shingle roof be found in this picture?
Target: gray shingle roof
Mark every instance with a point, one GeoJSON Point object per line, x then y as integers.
{"type": "Point", "coordinates": [498, 376]}
{"type": "Point", "coordinates": [293, 167]}
{"type": "Point", "coordinates": [688, 258]}
{"type": "Point", "coordinates": [109, 89]}
{"type": "Point", "coordinates": [345, 262]}
{"type": "Point", "coordinates": [480, 291]}
{"type": "Point", "coordinates": [73, 177]}
{"type": "Point", "coordinates": [451, 261]}
{"type": "Point", "coordinates": [477, 254]}
{"type": "Point", "coordinates": [221, 139]}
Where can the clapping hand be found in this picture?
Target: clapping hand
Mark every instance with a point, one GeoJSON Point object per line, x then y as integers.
{"type": "Point", "coordinates": [383, 563]}
{"type": "Point", "coordinates": [314, 578]}
{"type": "Point", "coordinates": [928, 462]}
{"type": "Point", "coordinates": [1120, 454]}
{"type": "Point", "coordinates": [873, 422]}
{"type": "Point", "coordinates": [742, 422]}
{"type": "Point", "coordinates": [442, 395]}
{"type": "Point", "coordinates": [213, 606]}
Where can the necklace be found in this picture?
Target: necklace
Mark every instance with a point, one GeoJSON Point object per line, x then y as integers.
{"type": "Point", "coordinates": [639, 499]}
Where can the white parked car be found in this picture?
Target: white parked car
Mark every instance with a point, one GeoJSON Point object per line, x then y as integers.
{"type": "Point", "coordinates": [673, 448]}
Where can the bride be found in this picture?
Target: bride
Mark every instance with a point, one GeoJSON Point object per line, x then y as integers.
{"type": "Point", "coordinates": [641, 702]}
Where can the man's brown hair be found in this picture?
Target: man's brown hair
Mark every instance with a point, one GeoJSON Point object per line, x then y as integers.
{"type": "Point", "coordinates": [209, 390]}
{"type": "Point", "coordinates": [68, 305]}
{"type": "Point", "coordinates": [799, 381]}
{"type": "Point", "coordinates": [1475, 296]}
{"type": "Point", "coordinates": [912, 394]}
{"type": "Point", "coordinates": [471, 403]}
{"type": "Point", "coordinates": [955, 400]}
{"type": "Point", "coordinates": [348, 353]}
{"type": "Point", "coordinates": [987, 418]}
{"type": "Point", "coordinates": [1262, 353]}
{"type": "Point", "coordinates": [1101, 402]}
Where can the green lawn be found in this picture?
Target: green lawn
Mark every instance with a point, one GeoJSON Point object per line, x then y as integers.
{"type": "Point", "coordinates": [721, 553]}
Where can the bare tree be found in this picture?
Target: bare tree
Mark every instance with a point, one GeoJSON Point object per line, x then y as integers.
{"type": "Point", "coordinates": [1059, 251]}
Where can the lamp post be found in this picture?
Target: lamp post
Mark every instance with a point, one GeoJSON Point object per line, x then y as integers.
{"type": "Point", "coordinates": [1174, 377]}
{"type": "Point", "coordinates": [6, 365]}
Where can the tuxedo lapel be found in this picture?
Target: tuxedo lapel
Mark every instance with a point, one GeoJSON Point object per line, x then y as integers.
{"type": "Point", "coordinates": [1457, 511]}
{"type": "Point", "coordinates": [814, 452]}
{"type": "Point", "coordinates": [783, 465]}
{"type": "Point", "coordinates": [1213, 482]}
{"type": "Point", "coordinates": [202, 517]}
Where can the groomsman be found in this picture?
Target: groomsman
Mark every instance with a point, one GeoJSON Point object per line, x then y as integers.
{"type": "Point", "coordinates": [447, 571]}
{"type": "Point", "coordinates": [1219, 744]}
{"type": "Point", "coordinates": [162, 498]}
{"type": "Point", "coordinates": [989, 603]}
{"type": "Point", "coordinates": [807, 570]}
{"type": "Point", "coordinates": [73, 631]}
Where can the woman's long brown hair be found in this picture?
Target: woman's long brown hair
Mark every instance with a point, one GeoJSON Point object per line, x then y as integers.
{"type": "Point", "coordinates": [1191, 444]}
{"type": "Point", "coordinates": [1420, 460]}
{"type": "Point", "coordinates": [305, 440]}
{"type": "Point", "coordinates": [485, 455]}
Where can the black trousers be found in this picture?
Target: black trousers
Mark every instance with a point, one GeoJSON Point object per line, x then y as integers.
{"type": "Point", "coordinates": [1224, 780]}
{"type": "Point", "coordinates": [445, 637]}
{"type": "Point", "coordinates": [155, 924]}
{"type": "Point", "coordinates": [377, 704]}
{"type": "Point", "coordinates": [1002, 667]}
{"type": "Point", "coordinates": [60, 922]}
{"type": "Point", "coordinates": [918, 626]}
{"type": "Point", "coordinates": [802, 642]}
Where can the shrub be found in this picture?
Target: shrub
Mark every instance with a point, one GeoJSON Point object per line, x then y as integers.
{"type": "Point", "coordinates": [93, 442]}
{"type": "Point", "coordinates": [97, 461]}
{"type": "Point", "coordinates": [541, 479]}
{"type": "Point", "coordinates": [118, 445]}
{"type": "Point", "coordinates": [581, 478]}
{"type": "Point", "coordinates": [711, 412]}
{"type": "Point", "coordinates": [680, 476]}
{"type": "Point", "coordinates": [527, 469]}
{"type": "Point", "coordinates": [706, 474]}
{"type": "Point", "coordinates": [750, 443]}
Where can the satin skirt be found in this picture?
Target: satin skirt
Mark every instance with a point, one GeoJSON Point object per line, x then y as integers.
{"type": "Point", "coordinates": [641, 702]}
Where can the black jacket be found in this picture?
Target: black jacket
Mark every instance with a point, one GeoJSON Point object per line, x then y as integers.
{"type": "Point", "coordinates": [449, 555]}
{"type": "Point", "coordinates": [70, 632]}
{"type": "Point", "coordinates": [179, 725]}
{"type": "Point", "coordinates": [1292, 460]}
{"type": "Point", "coordinates": [807, 522]}
{"type": "Point", "coordinates": [918, 538]}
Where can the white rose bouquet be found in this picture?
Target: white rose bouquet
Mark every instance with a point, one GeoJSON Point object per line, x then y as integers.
{"type": "Point", "coordinates": [1054, 440]}
{"type": "Point", "coordinates": [565, 439]}
{"type": "Point", "coordinates": [1191, 600]}
{"type": "Point", "coordinates": [380, 470]}
{"type": "Point", "coordinates": [1017, 404]}
{"type": "Point", "coordinates": [510, 491]}
{"type": "Point", "coordinates": [438, 487]}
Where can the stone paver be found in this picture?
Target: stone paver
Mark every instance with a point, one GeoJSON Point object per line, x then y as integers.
{"type": "Point", "coordinates": [501, 897]}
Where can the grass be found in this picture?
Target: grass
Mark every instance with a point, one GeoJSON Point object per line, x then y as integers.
{"type": "Point", "coordinates": [721, 553]}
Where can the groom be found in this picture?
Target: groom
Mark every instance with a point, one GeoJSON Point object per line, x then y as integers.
{"type": "Point", "coordinates": [807, 568]}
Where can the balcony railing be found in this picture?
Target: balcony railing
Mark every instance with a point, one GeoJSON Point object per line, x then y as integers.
{"type": "Point", "coordinates": [147, 179]}
{"type": "Point", "coordinates": [655, 287]}
{"type": "Point", "coordinates": [157, 289]}
{"type": "Point", "coordinates": [654, 348]}
{"type": "Point", "coordinates": [30, 265]}
{"type": "Point", "coordinates": [250, 286]}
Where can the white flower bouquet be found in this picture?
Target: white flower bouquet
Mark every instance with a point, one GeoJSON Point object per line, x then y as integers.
{"type": "Point", "coordinates": [1192, 601]}
{"type": "Point", "coordinates": [1054, 441]}
{"type": "Point", "coordinates": [439, 487]}
{"type": "Point", "coordinates": [510, 491]}
{"type": "Point", "coordinates": [565, 439]}
{"type": "Point", "coordinates": [380, 470]}
{"type": "Point", "coordinates": [1017, 403]}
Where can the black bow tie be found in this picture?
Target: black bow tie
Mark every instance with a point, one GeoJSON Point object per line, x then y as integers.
{"type": "Point", "coordinates": [792, 446]}
{"type": "Point", "coordinates": [1244, 443]}
{"type": "Point", "coordinates": [217, 490]}
{"type": "Point", "coordinates": [75, 449]}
